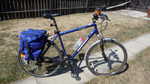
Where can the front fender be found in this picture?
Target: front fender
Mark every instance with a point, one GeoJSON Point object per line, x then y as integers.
{"type": "Point", "coordinates": [109, 39]}
{"type": "Point", "coordinates": [104, 39]}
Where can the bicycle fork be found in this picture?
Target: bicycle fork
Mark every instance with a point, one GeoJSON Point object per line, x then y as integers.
{"type": "Point", "coordinates": [102, 46]}
{"type": "Point", "coordinates": [102, 49]}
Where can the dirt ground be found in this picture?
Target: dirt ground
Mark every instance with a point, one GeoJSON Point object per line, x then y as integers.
{"type": "Point", "coordinates": [121, 27]}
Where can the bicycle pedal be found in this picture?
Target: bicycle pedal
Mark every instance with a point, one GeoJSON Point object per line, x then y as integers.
{"type": "Point", "coordinates": [76, 76]}
{"type": "Point", "coordinates": [73, 75]}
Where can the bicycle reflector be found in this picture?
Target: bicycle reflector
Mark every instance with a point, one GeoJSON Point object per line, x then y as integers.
{"type": "Point", "coordinates": [22, 55]}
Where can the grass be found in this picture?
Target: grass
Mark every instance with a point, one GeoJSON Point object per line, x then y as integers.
{"type": "Point", "coordinates": [121, 27]}
{"type": "Point", "coordinates": [138, 72]}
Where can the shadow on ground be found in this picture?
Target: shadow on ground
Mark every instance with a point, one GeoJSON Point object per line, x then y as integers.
{"type": "Point", "coordinates": [66, 68]}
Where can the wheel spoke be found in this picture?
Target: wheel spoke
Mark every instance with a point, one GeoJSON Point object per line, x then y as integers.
{"type": "Point", "coordinates": [115, 58]}
{"type": "Point", "coordinates": [51, 61]}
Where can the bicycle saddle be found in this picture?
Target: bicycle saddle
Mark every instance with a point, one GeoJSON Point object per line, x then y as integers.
{"type": "Point", "coordinates": [49, 15]}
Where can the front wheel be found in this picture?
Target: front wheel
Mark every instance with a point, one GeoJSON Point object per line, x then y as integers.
{"type": "Point", "coordinates": [106, 58]}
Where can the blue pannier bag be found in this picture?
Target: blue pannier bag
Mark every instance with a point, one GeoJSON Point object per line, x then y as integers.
{"type": "Point", "coordinates": [33, 41]}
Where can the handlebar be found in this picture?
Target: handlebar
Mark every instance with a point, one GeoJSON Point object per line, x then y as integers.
{"type": "Point", "coordinates": [99, 15]}
{"type": "Point", "coordinates": [103, 19]}
{"type": "Point", "coordinates": [102, 16]}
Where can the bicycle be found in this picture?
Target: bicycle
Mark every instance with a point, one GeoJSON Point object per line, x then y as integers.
{"type": "Point", "coordinates": [100, 57]}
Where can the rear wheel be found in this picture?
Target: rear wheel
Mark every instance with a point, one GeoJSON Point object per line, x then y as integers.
{"type": "Point", "coordinates": [48, 65]}
{"type": "Point", "coordinates": [109, 61]}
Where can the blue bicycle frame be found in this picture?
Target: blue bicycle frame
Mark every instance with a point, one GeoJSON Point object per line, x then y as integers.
{"type": "Point", "coordinates": [94, 31]}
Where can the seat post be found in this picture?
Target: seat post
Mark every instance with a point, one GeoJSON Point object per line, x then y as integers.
{"type": "Point", "coordinates": [55, 24]}
{"type": "Point", "coordinates": [59, 37]}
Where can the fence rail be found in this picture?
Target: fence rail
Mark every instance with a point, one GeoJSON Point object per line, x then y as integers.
{"type": "Point", "coordinates": [10, 9]}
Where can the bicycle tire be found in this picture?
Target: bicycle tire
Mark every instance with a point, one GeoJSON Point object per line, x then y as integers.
{"type": "Point", "coordinates": [48, 72]}
{"type": "Point", "coordinates": [118, 70]}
